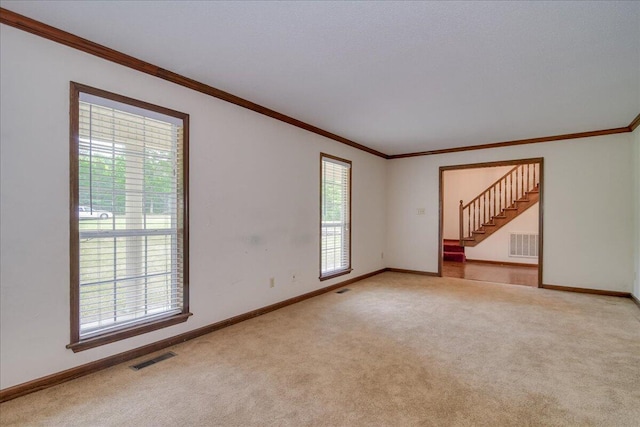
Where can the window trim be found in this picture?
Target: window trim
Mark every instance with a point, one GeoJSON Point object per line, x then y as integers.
{"type": "Point", "coordinates": [348, 269]}
{"type": "Point", "coordinates": [76, 343]}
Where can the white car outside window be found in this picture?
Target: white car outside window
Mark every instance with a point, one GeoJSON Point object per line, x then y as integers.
{"type": "Point", "coordinates": [85, 212]}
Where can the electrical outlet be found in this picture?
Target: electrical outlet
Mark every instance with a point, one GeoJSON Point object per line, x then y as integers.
{"type": "Point", "coordinates": [294, 277]}
{"type": "Point", "coordinates": [272, 282]}
{"type": "Point", "coordinates": [421, 211]}
{"type": "Point", "coordinates": [381, 255]}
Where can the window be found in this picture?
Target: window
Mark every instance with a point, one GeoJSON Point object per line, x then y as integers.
{"type": "Point", "coordinates": [335, 224]}
{"type": "Point", "coordinates": [129, 217]}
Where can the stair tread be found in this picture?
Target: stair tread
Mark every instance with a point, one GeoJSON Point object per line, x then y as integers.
{"type": "Point", "coordinates": [506, 214]}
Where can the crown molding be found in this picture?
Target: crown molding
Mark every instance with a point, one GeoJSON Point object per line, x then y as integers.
{"type": "Point", "coordinates": [46, 31]}
{"type": "Point", "coordinates": [634, 123]}
{"type": "Point", "coordinates": [516, 142]}
{"type": "Point", "coordinates": [55, 34]}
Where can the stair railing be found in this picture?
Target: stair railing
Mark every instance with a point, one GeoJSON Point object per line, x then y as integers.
{"type": "Point", "coordinates": [498, 197]}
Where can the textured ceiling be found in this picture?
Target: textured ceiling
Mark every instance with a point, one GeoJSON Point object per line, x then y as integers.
{"type": "Point", "coordinates": [395, 76]}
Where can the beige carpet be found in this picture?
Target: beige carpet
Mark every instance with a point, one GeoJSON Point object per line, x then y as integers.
{"type": "Point", "coordinates": [397, 350]}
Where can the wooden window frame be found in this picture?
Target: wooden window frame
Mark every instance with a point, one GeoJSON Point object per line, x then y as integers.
{"type": "Point", "coordinates": [76, 342]}
{"type": "Point", "coordinates": [348, 269]}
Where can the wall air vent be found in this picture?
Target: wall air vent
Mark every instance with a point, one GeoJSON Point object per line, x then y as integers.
{"type": "Point", "coordinates": [523, 245]}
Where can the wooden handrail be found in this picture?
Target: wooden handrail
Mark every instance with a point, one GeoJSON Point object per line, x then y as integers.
{"type": "Point", "coordinates": [491, 186]}
{"type": "Point", "coordinates": [495, 199]}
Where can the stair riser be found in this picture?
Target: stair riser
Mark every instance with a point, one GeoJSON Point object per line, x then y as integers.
{"type": "Point", "coordinates": [454, 256]}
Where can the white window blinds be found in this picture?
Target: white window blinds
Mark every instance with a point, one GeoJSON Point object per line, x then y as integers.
{"type": "Point", "coordinates": [335, 235]}
{"type": "Point", "coordinates": [131, 215]}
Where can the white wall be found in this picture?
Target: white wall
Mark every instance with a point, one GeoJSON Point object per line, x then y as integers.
{"type": "Point", "coordinates": [465, 185]}
{"type": "Point", "coordinates": [636, 197]}
{"type": "Point", "coordinates": [253, 204]}
{"type": "Point", "coordinates": [588, 209]}
{"type": "Point", "coordinates": [496, 246]}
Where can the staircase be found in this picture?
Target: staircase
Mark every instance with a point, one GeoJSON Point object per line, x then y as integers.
{"type": "Point", "coordinates": [499, 204]}
{"type": "Point", "coordinates": [452, 251]}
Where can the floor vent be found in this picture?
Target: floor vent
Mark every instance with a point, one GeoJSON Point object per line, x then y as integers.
{"type": "Point", "coordinates": [342, 291]}
{"type": "Point", "coordinates": [523, 245]}
{"type": "Point", "coordinates": [153, 361]}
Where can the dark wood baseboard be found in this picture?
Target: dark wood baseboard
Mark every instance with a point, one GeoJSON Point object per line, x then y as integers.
{"type": "Point", "coordinates": [511, 264]}
{"type": "Point", "coordinates": [635, 299]}
{"type": "Point", "coordinates": [89, 368]}
{"type": "Point", "coordinates": [550, 287]}
{"type": "Point", "coordinates": [402, 270]}
{"type": "Point", "coordinates": [587, 291]}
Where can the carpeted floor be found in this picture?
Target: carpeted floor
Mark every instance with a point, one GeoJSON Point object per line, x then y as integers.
{"type": "Point", "coordinates": [397, 350]}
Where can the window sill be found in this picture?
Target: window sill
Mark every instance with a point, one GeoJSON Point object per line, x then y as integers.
{"type": "Point", "coordinates": [132, 331]}
{"type": "Point", "coordinates": [335, 274]}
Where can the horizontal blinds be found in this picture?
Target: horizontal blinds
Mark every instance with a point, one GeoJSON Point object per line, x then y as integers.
{"type": "Point", "coordinates": [130, 216]}
{"type": "Point", "coordinates": [335, 229]}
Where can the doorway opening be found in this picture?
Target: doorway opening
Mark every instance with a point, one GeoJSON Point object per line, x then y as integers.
{"type": "Point", "coordinates": [491, 221]}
